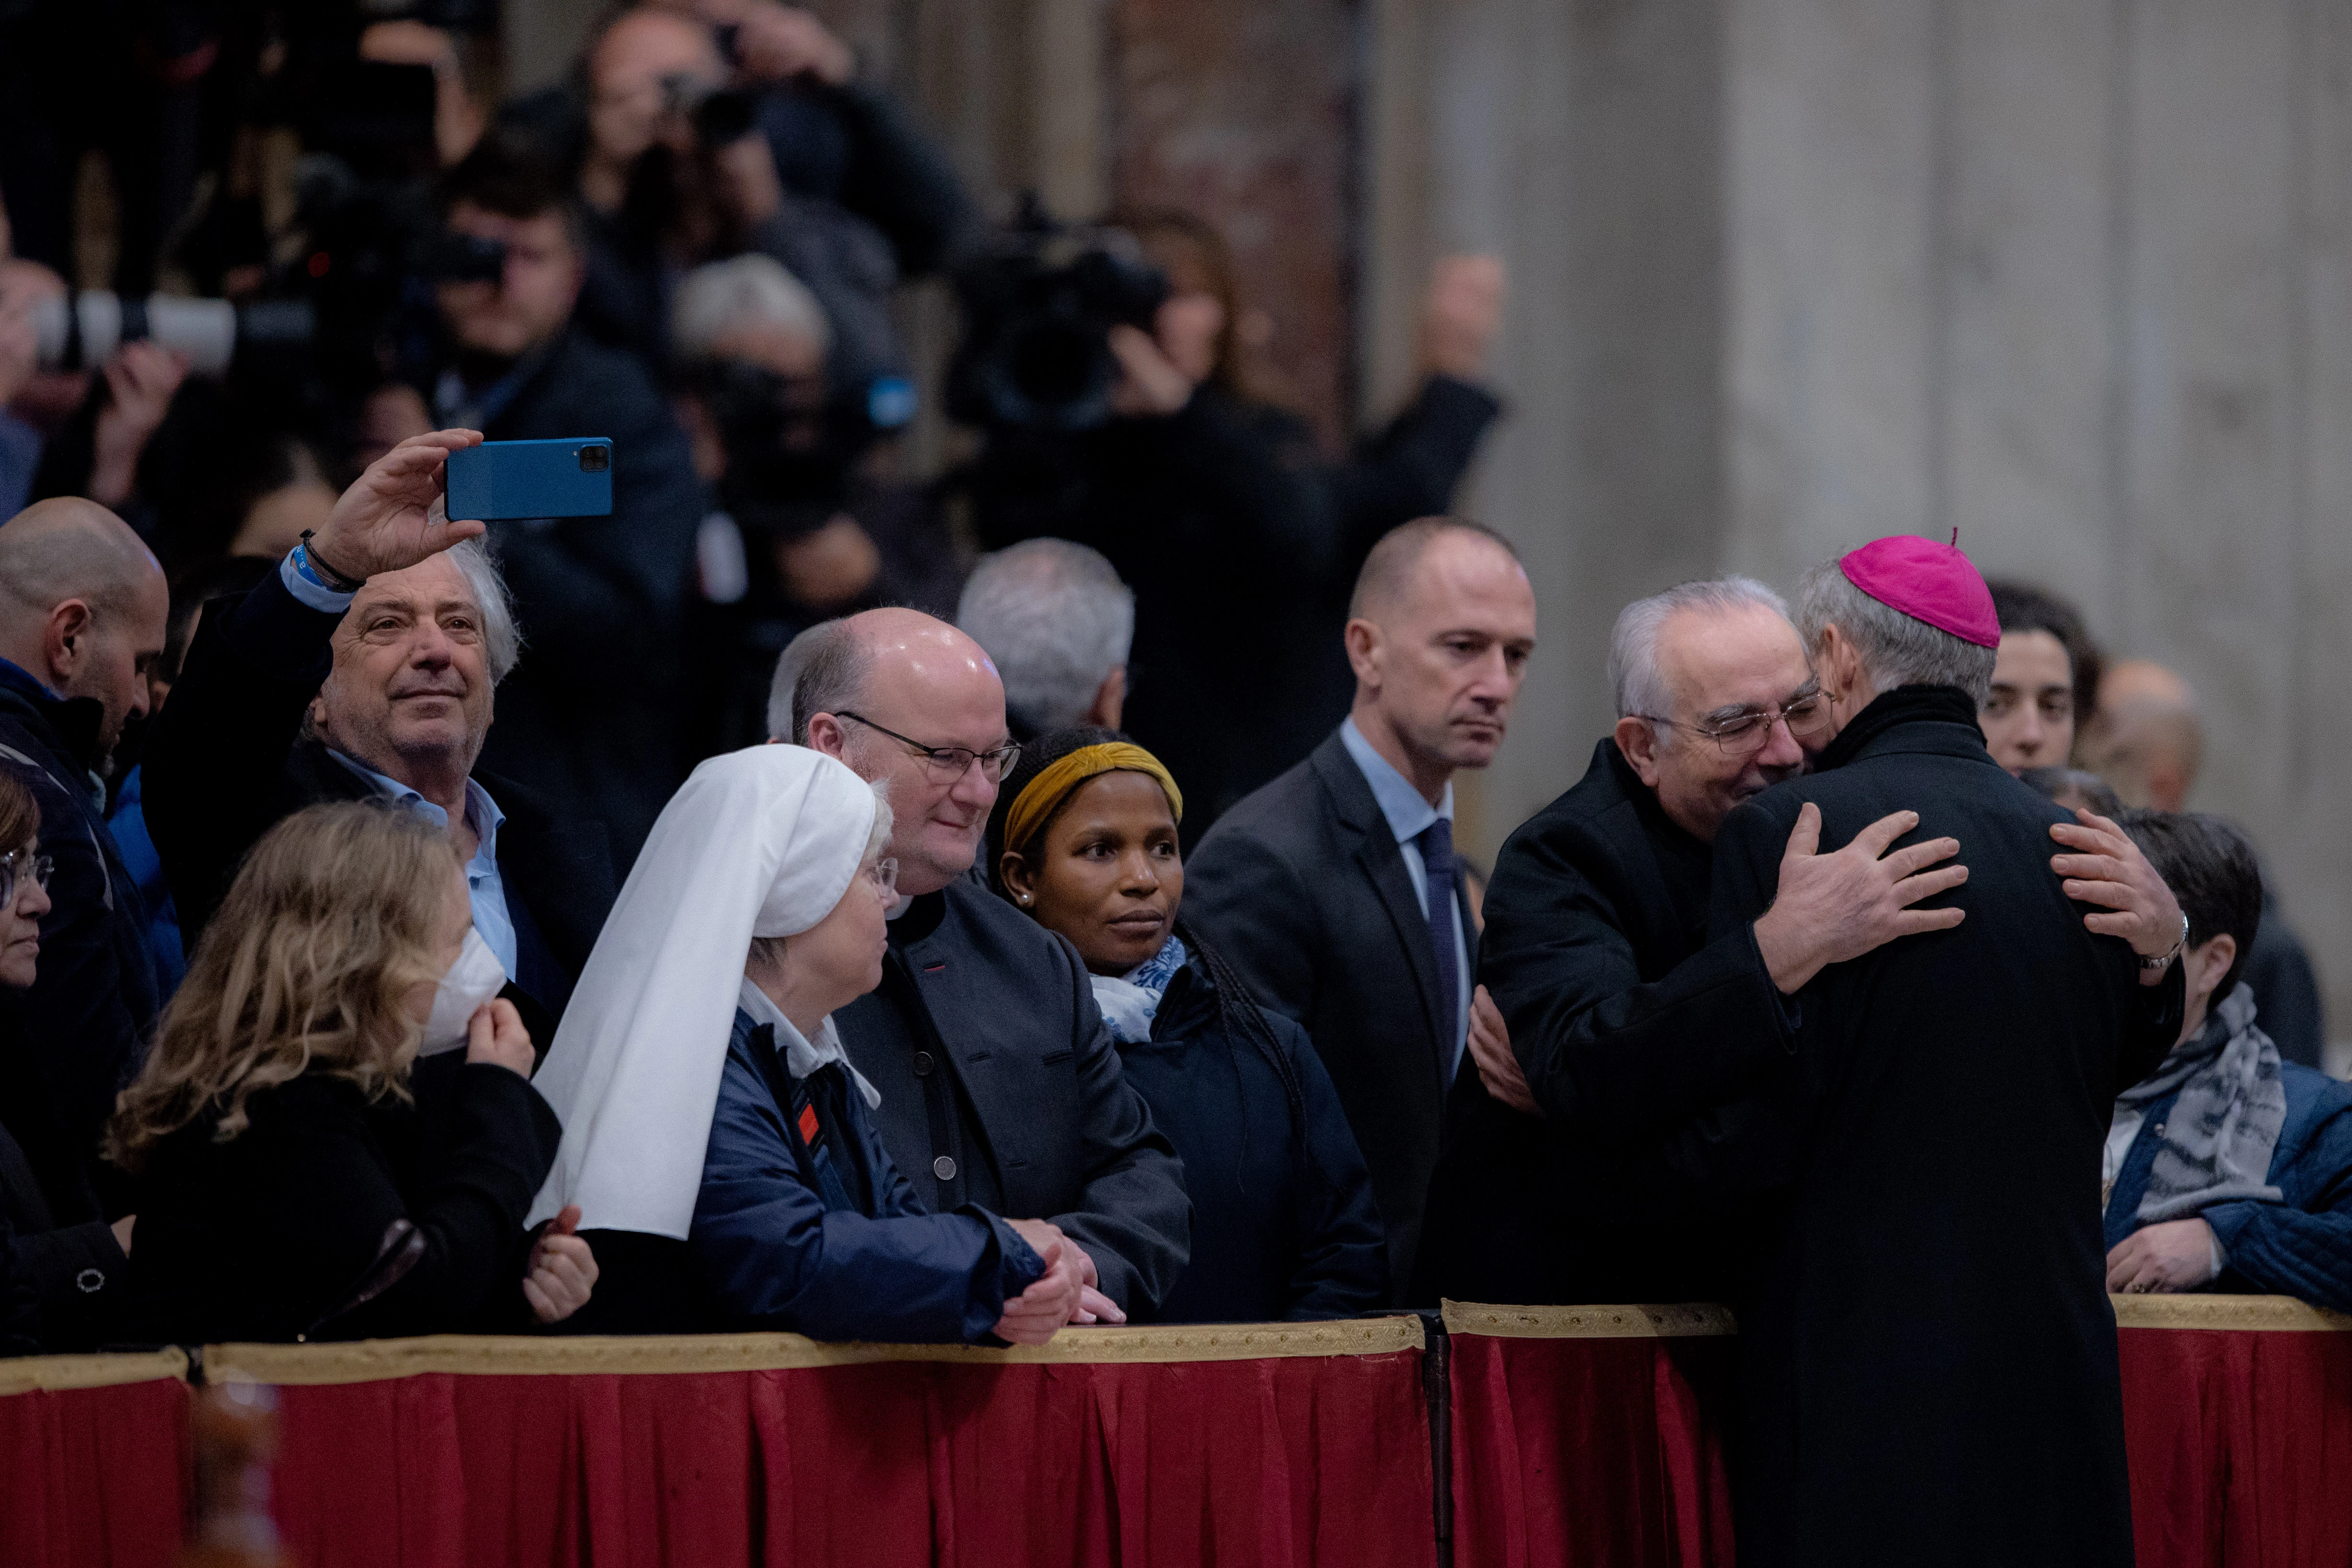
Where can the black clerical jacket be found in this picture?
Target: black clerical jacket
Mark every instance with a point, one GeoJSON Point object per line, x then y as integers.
{"type": "Point", "coordinates": [1627, 1022]}
{"type": "Point", "coordinates": [1001, 1087]}
{"type": "Point", "coordinates": [1928, 1355]}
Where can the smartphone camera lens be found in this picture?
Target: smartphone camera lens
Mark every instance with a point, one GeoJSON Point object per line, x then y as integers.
{"type": "Point", "coordinates": [595, 459]}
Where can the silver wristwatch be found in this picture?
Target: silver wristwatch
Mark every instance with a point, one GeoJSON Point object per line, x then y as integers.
{"type": "Point", "coordinates": [2174, 951]}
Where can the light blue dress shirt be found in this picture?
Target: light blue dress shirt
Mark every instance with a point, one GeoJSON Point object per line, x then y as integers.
{"type": "Point", "coordinates": [1409, 816]}
{"type": "Point", "coordinates": [484, 886]}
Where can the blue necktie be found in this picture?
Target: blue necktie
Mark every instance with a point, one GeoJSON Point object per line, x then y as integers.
{"type": "Point", "coordinates": [1436, 843]}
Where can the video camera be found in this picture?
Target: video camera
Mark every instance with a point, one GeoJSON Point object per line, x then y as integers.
{"type": "Point", "coordinates": [1038, 309]}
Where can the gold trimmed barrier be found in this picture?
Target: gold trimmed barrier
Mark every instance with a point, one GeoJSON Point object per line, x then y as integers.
{"type": "Point", "coordinates": [2260, 1314]}
{"type": "Point", "coordinates": [367, 1361]}
{"type": "Point", "coordinates": [1684, 1320]}
{"type": "Point", "coordinates": [2271, 1315]}
{"type": "Point", "coordinates": [54, 1374]}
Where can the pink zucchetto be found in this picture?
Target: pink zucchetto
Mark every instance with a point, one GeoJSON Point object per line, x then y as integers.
{"type": "Point", "coordinates": [1927, 581]}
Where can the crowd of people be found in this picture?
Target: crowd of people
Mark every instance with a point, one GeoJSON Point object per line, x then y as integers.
{"type": "Point", "coordinates": [749, 910]}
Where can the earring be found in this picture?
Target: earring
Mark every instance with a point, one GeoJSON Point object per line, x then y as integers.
{"type": "Point", "coordinates": [1025, 898]}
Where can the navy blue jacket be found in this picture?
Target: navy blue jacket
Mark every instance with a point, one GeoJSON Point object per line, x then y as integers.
{"type": "Point", "coordinates": [70, 1041]}
{"type": "Point", "coordinates": [867, 1264]}
{"type": "Point", "coordinates": [2299, 1247]}
{"type": "Point", "coordinates": [1281, 1227]}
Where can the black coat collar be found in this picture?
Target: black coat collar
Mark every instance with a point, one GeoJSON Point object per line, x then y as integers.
{"type": "Point", "coordinates": [1938, 719]}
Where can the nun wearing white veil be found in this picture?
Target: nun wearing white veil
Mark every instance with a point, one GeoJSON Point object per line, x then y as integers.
{"type": "Point", "coordinates": [704, 1092]}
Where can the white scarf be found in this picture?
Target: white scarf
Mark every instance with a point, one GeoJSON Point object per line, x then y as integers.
{"type": "Point", "coordinates": [758, 842]}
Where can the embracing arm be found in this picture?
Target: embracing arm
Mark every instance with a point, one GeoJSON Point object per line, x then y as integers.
{"type": "Point", "coordinates": [1610, 1058]}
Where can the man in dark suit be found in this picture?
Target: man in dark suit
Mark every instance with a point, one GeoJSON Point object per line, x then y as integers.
{"type": "Point", "coordinates": [596, 711]}
{"type": "Point", "coordinates": [1336, 889]}
{"type": "Point", "coordinates": [1001, 1086]}
{"type": "Point", "coordinates": [1927, 1356]}
{"type": "Point", "coordinates": [364, 668]}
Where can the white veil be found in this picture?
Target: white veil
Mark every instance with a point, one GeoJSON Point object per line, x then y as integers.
{"type": "Point", "coordinates": [758, 842]}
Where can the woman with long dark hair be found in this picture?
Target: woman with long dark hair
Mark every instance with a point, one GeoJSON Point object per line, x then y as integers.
{"type": "Point", "coordinates": [1284, 1225]}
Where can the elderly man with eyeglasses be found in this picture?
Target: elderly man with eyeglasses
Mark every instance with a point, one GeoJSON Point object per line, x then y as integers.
{"type": "Point", "coordinates": [1001, 1086]}
{"type": "Point", "coordinates": [1626, 1019]}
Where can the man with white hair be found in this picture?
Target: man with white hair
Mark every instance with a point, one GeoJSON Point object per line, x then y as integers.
{"type": "Point", "coordinates": [364, 668]}
{"type": "Point", "coordinates": [1626, 1019]}
{"type": "Point", "coordinates": [1058, 621]}
{"type": "Point", "coordinates": [1927, 1356]}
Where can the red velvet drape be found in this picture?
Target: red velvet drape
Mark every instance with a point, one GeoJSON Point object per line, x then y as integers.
{"type": "Point", "coordinates": [1600, 1451]}
{"type": "Point", "coordinates": [2241, 1447]}
{"type": "Point", "coordinates": [94, 1477]}
{"type": "Point", "coordinates": [1295, 1461]}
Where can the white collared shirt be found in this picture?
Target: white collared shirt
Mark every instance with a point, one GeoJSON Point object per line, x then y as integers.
{"type": "Point", "coordinates": [802, 1057]}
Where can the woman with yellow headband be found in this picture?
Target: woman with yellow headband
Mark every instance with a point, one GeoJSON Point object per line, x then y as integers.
{"type": "Point", "coordinates": [1284, 1225]}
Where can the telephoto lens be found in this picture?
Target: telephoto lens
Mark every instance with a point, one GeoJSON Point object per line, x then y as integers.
{"type": "Point", "coordinates": [207, 333]}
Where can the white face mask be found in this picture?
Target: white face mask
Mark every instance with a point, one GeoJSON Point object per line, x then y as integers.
{"type": "Point", "coordinates": [472, 980]}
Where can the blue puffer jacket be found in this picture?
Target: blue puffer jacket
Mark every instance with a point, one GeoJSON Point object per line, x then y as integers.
{"type": "Point", "coordinates": [2300, 1247]}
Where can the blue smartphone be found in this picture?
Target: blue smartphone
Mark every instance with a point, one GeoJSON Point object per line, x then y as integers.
{"type": "Point", "coordinates": [568, 479]}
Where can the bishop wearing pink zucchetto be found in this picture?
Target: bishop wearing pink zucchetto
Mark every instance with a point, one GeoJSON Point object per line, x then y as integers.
{"type": "Point", "coordinates": [1928, 1355]}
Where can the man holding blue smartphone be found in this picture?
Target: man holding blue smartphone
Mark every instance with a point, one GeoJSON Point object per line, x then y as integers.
{"type": "Point", "coordinates": [365, 668]}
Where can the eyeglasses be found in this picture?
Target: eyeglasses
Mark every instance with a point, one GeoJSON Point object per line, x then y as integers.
{"type": "Point", "coordinates": [1744, 732]}
{"type": "Point", "coordinates": [37, 867]}
{"type": "Point", "coordinates": [884, 874]}
{"type": "Point", "coordinates": [946, 764]}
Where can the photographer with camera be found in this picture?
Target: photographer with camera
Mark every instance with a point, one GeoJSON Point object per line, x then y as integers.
{"type": "Point", "coordinates": [804, 532]}
{"type": "Point", "coordinates": [1115, 412]}
{"type": "Point", "coordinates": [708, 130]}
{"type": "Point", "coordinates": [590, 716]}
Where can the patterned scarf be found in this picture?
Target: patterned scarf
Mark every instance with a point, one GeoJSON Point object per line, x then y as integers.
{"type": "Point", "coordinates": [2215, 1146]}
{"type": "Point", "coordinates": [1129, 1001]}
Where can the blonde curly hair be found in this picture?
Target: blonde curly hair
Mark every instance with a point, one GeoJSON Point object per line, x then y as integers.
{"type": "Point", "coordinates": [329, 926]}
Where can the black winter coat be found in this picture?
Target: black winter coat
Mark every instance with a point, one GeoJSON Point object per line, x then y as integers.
{"type": "Point", "coordinates": [593, 714]}
{"type": "Point", "coordinates": [1283, 1226]}
{"type": "Point", "coordinates": [1303, 887]}
{"type": "Point", "coordinates": [1242, 545]}
{"type": "Point", "coordinates": [328, 1217]}
{"type": "Point", "coordinates": [1928, 1355]}
{"type": "Point", "coordinates": [71, 1040]}
{"type": "Point", "coordinates": [1001, 1087]}
{"type": "Point", "coordinates": [226, 761]}
{"type": "Point", "coordinates": [1627, 1022]}
{"type": "Point", "coordinates": [73, 1275]}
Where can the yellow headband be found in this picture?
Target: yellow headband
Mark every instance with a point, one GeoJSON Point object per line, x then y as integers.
{"type": "Point", "coordinates": [1044, 793]}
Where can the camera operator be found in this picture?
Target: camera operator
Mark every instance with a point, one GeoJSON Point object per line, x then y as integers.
{"type": "Point", "coordinates": [590, 713]}
{"type": "Point", "coordinates": [1240, 540]}
{"type": "Point", "coordinates": [742, 129]}
{"type": "Point", "coordinates": [804, 532]}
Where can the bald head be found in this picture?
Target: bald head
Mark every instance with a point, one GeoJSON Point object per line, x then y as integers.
{"type": "Point", "coordinates": [82, 607]}
{"type": "Point", "coordinates": [1389, 571]}
{"type": "Point", "coordinates": [897, 695]}
{"type": "Point", "coordinates": [67, 547]}
{"type": "Point", "coordinates": [626, 70]}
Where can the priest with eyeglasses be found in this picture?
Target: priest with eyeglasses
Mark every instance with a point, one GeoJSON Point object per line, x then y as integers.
{"type": "Point", "coordinates": [1627, 1020]}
